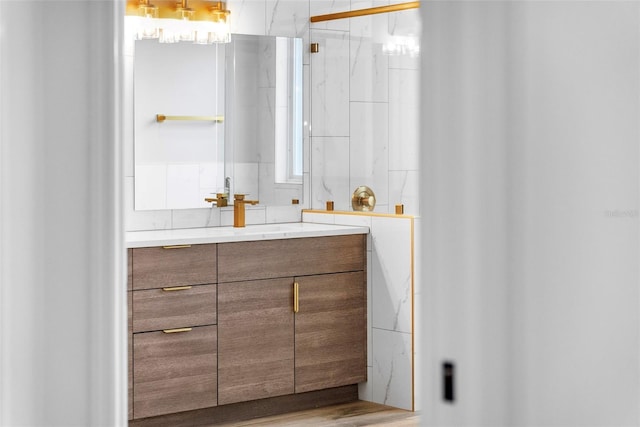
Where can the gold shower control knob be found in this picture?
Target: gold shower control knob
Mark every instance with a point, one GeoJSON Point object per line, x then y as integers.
{"type": "Point", "coordinates": [363, 199]}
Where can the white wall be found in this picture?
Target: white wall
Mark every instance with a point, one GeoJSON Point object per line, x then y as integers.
{"type": "Point", "coordinates": [530, 211]}
{"type": "Point", "coordinates": [464, 201]}
{"type": "Point", "coordinates": [62, 345]}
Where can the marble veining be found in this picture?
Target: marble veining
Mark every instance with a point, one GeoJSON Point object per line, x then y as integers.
{"type": "Point", "coordinates": [247, 16]}
{"type": "Point", "coordinates": [402, 302]}
{"type": "Point", "coordinates": [369, 66]}
{"type": "Point", "coordinates": [392, 369]}
{"type": "Point", "coordinates": [287, 18]}
{"type": "Point", "coordinates": [403, 185]}
{"type": "Point", "coordinates": [391, 259]}
{"type": "Point", "coordinates": [330, 84]}
{"type": "Point", "coordinates": [330, 172]}
{"type": "Point", "coordinates": [391, 295]}
{"type": "Point", "coordinates": [322, 7]}
{"type": "Point", "coordinates": [387, 390]}
{"type": "Point", "coordinates": [368, 148]}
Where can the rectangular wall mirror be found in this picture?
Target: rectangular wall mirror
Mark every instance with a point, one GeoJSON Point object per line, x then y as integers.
{"type": "Point", "coordinates": [222, 118]}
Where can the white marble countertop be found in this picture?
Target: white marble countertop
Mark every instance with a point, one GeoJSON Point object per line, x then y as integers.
{"type": "Point", "coordinates": [186, 236]}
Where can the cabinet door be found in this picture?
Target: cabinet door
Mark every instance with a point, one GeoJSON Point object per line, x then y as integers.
{"type": "Point", "coordinates": [174, 372]}
{"type": "Point", "coordinates": [330, 331]}
{"type": "Point", "coordinates": [255, 342]}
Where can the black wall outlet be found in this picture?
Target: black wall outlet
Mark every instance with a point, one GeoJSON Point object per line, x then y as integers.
{"type": "Point", "coordinates": [448, 382]}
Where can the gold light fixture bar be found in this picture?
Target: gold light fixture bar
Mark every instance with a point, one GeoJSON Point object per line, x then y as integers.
{"type": "Point", "coordinates": [218, 119]}
{"type": "Point", "coordinates": [364, 12]}
{"type": "Point", "coordinates": [197, 10]}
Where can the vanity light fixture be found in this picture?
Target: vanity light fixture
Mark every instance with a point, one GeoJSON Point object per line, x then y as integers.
{"type": "Point", "coordinates": [171, 21]}
{"type": "Point", "coordinates": [146, 20]}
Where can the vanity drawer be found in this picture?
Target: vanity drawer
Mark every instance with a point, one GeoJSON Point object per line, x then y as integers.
{"type": "Point", "coordinates": [174, 372]}
{"type": "Point", "coordinates": [160, 267]}
{"type": "Point", "coordinates": [174, 307]}
{"type": "Point", "coordinates": [267, 259]}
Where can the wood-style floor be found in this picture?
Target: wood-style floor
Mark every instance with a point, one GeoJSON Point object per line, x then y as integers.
{"type": "Point", "coordinates": [354, 414]}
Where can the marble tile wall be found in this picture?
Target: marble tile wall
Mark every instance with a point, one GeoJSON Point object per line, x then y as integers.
{"type": "Point", "coordinates": [392, 290]}
{"type": "Point", "coordinates": [361, 110]}
{"type": "Point", "coordinates": [364, 109]}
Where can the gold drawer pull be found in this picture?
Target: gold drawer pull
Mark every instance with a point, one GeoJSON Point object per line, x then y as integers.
{"type": "Point", "coordinates": [173, 331]}
{"type": "Point", "coordinates": [177, 288]}
{"type": "Point", "coordinates": [296, 303]}
{"type": "Point", "coordinates": [176, 247]}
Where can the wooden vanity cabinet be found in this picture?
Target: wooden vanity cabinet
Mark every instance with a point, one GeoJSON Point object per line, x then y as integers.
{"type": "Point", "coordinates": [173, 329]}
{"type": "Point", "coordinates": [216, 324]}
{"type": "Point", "coordinates": [266, 349]}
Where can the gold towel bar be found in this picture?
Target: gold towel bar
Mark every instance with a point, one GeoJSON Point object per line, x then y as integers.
{"type": "Point", "coordinates": [218, 119]}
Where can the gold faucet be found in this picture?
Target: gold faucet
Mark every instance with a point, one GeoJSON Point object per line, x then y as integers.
{"type": "Point", "coordinates": [220, 200]}
{"type": "Point", "coordinates": [238, 209]}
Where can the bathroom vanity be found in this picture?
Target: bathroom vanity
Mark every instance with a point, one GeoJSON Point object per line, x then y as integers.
{"type": "Point", "coordinates": [229, 324]}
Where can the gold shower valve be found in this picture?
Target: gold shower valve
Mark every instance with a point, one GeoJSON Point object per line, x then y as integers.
{"type": "Point", "coordinates": [363, 199]}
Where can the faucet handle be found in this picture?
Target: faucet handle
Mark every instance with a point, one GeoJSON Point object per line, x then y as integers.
{"type": "Point", "coordinates": [220, 200]}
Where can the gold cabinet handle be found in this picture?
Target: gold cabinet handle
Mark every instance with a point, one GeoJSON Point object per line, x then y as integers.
{"type": "Point", "coordinates": [173, 331]}
{"type": "Point", "coordinates": [296, 293]}
{"type": "Point", "coordinates": [176, 247]}
{"type": "Point", "coordinates": [177, 288]}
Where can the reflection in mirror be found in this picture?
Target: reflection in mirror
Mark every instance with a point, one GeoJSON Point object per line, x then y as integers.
{"type": "Point", "coordinates": [264, 128]}
{"type": "Point", "coordinates": [178, 161]}
{"type": "Point", "coordinates": [250, 90]}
